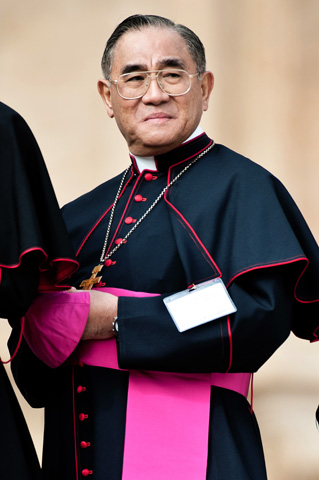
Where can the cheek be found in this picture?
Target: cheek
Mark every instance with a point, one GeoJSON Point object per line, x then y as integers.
{"type": "Point", "coordinates": [191, 113]}
{"type": "Point", "coordinates": [126, 122]}
{"type": "Point", "coordinates": [127, 113]}
{"type": "Point", "coordinates": [197, 107]}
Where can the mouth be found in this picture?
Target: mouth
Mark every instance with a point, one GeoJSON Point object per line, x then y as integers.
{"type": "Point", "coordinates": [159, 117]}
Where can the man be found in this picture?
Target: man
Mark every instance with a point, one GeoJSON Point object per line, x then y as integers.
{"type": "Point", "coordinates": [147, 386]}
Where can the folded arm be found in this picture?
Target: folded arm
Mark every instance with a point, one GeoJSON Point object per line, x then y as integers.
{"type": "Point", "coordinates": [57, 321]}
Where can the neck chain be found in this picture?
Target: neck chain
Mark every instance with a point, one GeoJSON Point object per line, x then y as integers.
{"type": "Point", "coordinates": [90, 282]}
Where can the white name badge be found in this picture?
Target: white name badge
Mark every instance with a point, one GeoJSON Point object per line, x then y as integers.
{"type": "Point", "coordinates": [200, 304]}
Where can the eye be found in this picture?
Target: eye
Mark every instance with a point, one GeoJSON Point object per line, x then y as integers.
{"type": "Point", "coordinates": [134, 78]}
{"type": "Point", "coordinates": [173, 74]}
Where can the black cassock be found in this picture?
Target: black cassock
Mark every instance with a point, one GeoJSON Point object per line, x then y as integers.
{"type": "Point", "coordinates": [225, 216]}
{"type": "Point", "coordinates": [34, 249]}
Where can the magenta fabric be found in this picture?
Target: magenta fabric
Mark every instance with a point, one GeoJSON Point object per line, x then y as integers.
{"type": "Point", "coordinates": [54, 325]}
{"type": "Point", "coordinates": [167, 425]}
{"type": "Point", "coordinates": [167, 416]}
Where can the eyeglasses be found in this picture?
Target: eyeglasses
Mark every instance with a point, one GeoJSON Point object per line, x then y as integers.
{"type": "Point", "coordinates": [135, 84]}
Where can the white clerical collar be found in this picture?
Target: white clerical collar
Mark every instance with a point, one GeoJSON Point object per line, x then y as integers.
{"type": "Point", "coordinates": [149, 163]}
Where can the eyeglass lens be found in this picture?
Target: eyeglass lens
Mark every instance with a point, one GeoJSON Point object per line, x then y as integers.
{"type": "Point", "coordinates": [135, 84]}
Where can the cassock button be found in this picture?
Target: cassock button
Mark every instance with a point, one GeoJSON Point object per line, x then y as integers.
{"type": "Point", "coordinates": [86, 472]}
{"type": "Point", "coordinates": [85, 444]}
{"type": "Point", "coordinates": [139, 198]}
{"type": "Point", "coordinates": [80, 389]}
{"type": "Point", "coordinates": [83, 416]}
{"type": "Point", "coordinates": [129, 220]}
{"type": "Point", "coordinates": [119, 240]}
{"type": "Point", "coordinates": [149, 177]}
{"type": "Point", "coordinates": [109, 262]}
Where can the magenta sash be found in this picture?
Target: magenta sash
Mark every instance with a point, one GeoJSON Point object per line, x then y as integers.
{"type": "Point", "coordinates": [167, 418]}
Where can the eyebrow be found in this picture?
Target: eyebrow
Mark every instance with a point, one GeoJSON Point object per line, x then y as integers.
{"type": "Point", "coordinates": [172, 62]}
{"type": "Point", "coordinates": [166, 62]}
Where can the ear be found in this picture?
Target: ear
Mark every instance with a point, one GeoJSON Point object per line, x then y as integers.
{"type": "Point", "coordinates": [207, 85]}
{"type": "Point", "coordinates": [103, 87]}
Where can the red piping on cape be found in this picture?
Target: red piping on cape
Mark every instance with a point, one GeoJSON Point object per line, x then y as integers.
{"type": "Point", "coordinates": [316, 339]}
{"type": "Point", "coordinates": [251, 409]}
{"type": "Point", "coordinates": [63, 274]}
{"type": "Point", "coordinates": [286, 262]}
{"type": "Point", "coordinates": [230, 344]}
{"type": "Point", "coordinates": [100, 219]}
{"type": "Point", "coordinates": [133, 192]}
{"type": "Point", "coordinates": [18, 344]}
{"type": "Point", "coordinates": [123, 190]}
{"type": "Point", "coordinates": [278, 264]}
{"type": "Point", "coordinates": [188, 141]}
{"type": "Point", "coordinates": [25, 252]}
{"type": "Point", "coordinates": [92, 229]}
{"type": "Point", "coordinates": [197, 242]}
{"type": "Point", "coordinates": [295, 293]}
{"type": "Point", "coordinates": [182, 144]}
{"type": "Point", "coordinates": [183, 219]}
{"type": "Point", "coordinates": [38, 249]}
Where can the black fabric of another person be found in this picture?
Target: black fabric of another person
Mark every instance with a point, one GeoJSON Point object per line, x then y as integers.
{"type": "Point", "coordinates": [34, 250]}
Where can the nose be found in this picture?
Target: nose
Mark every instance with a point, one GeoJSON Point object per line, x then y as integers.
{"type": "Point", "coordinates": [154, 94]}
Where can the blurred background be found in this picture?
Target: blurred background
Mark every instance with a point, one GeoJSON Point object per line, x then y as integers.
{"type": "Point", "coordinates": [264, 55]}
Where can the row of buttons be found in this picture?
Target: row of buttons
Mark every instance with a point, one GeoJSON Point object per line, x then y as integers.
{"type": "Point", "coordinates": [80, 389]}
{"type": "Point", "coordinates": [83, 416]}
{"type": "Point", "coordinates": [129, 220]}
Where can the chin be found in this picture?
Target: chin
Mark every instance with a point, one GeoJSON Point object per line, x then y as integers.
{"type": "Point", "coordinates": [162, 143]}
{"type": "Point", "coordinates": [156, 148]}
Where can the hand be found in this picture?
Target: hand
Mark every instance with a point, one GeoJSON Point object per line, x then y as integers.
{"type": "Point", "coordinates": [103, 309]}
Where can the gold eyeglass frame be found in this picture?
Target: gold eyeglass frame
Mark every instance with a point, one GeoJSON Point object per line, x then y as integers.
{"type": "Point", "coordinates": [148, 82]}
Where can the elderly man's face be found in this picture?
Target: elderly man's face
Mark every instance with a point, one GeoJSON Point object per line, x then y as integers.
{"type": "Point", "coordinates": [156, 122]}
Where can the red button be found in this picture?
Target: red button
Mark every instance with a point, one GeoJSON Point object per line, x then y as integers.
{"type": "Point", "coordinates": [86, 472]}
{"type": "Point", "coordinates": [109, 262]}
{"type": "Point", "coordinates": [139, 198]}
{"type": "Point", "coordinates": [85, 444]}
{"type": "Point", "coordinates": [148, 177]}
{"type": "Point", "coordinates": [82, 417]}
{"type": "Point", "coordinates": [129, 220]}
{"type": "Point", "coordinates": [80, 389]}
{"type": "Point", "coordinates": [119, 240]}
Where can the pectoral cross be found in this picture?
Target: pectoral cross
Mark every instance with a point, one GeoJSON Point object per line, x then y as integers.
{"type": "Point", "coordinates": [89, 282]}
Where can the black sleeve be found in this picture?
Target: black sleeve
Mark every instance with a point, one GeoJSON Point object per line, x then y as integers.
{"type": "Point", "coordinates": [149, 340]}
{"type": "Point", "coordinates": [18, 456]}
{"type": "Point", "coordinates": [34, 379]}
{"type": "Point", "coordinates": [18, 287]}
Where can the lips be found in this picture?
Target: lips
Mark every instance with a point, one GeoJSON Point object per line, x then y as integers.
{"type": "Point", "coordinates": [158, 117]}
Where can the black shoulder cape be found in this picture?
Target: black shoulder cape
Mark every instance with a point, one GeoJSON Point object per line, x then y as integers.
{"type": "Point", "coordinates": [230, 218]}
{"type": "Point", "coordinates": [35, 251]}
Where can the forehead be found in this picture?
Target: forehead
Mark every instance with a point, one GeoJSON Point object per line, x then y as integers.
{"type": "Point", "coordinates": [151, 48]}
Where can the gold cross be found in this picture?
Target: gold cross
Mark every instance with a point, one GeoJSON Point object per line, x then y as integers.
{"type": "Point", "coordinates": [88, 283]}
